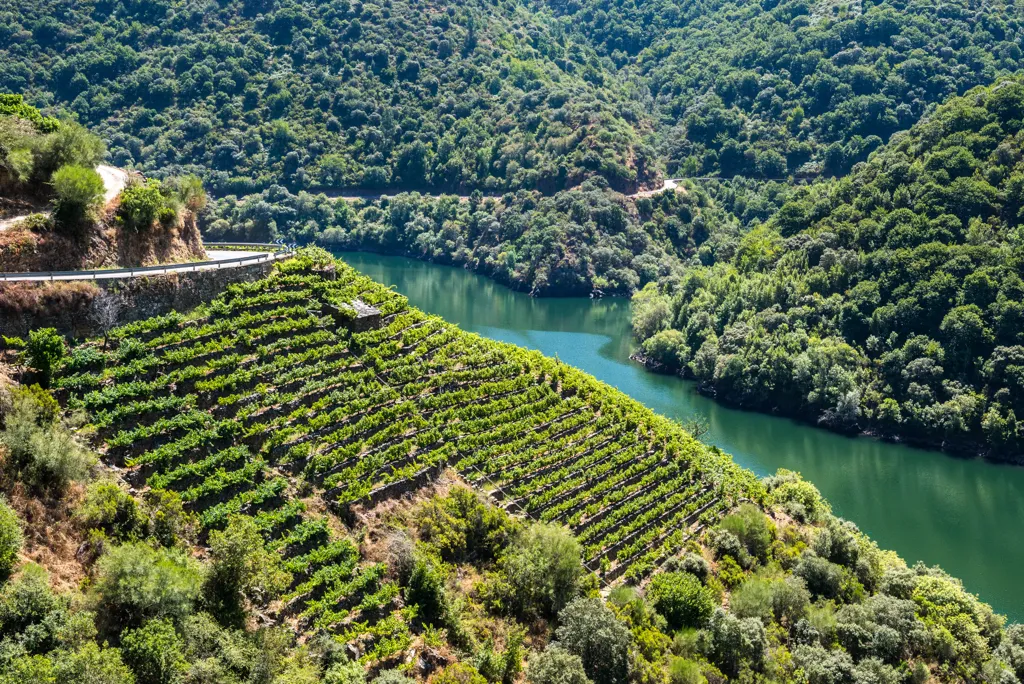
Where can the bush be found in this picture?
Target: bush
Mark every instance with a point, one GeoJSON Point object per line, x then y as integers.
{"type": "Point", "coordinates": [543, 571]}
{"type": "Point", "coordinates": [70, 145]}
{"type": "Point", "coordinates": [135, 582]}
{"type": "Point", "coordinates": [392, 677]}
{"type": "Point", "coordinates": [142, 203]}
{"type": "Point", "coordinates": [459, 673]}
{"type": "Point", "coordinates": [729, 642]}
{"type": "Point", "coordinates": [42, 450]}
{"type": "Point", "coordinates": [750, 525]}
{"type": "Point", "coordinates": [11, 539]}
{"type": "Point", "coordinates": [110, 508]}
{"type": "Point", "coordinates": [242, 568]}
{"type": "Point", "coordinates": [589, 629]}
{"type": "Point", "coordinates": [683, 671]}
{"type": "Point", "coordinates": [92, 664]}
{"type": "Point", "coordinates": [353, 673]}
{"type": "Point", "coordinates": [681, 599]}
{"type": "Point", "coordinates": [154, 652]}
{"type": "Point", "coordinates": [77, 190]}
{"type": "Point", "coordinates": [27, 604]}
{"type": "Point", "coordinates": [44, 351]}
{"type": "Point", "coordinates": [555, 665]}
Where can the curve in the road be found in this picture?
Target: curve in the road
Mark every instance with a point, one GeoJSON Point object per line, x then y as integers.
{"type": "Point", "coordinates": [219, 258]}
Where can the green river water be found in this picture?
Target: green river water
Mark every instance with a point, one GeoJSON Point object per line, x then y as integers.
{"type": "Point", "coordinates": [965, 515]}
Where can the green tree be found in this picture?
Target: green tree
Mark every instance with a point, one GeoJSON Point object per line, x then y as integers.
{"type": "Point", "coordinates": [135, 582]}
{"type": "Point", "coordinates": [243, 568]}
{"type": "Point", "coordinates": [555, 665]}
{"type": "Point", "coordinates": [681, 599]}
{"type": "Point", "coordinates": [154, 652]}
{"type": "Point", "coordinates": [589, 629]}
{"type": "Point", "coordinates": [44, 351]}
{"type": "Point", "coordinates": [542, 570]}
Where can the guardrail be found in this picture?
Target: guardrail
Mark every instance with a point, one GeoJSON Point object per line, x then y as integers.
{"type": "Point", "coordinates": [121, 273]}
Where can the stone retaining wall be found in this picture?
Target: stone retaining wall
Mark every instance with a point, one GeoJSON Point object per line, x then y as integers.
{"type": "Point", "coordinates": [87, 308]}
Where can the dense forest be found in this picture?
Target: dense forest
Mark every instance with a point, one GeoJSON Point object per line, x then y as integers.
{"type": "Point", "coordinates": [772, 89]}
{"type": "Point", "coordinates": [236, 495]}
{"type": "Point", "coordinates": [891, 300]}
{"type": "Point", "coordinates": [251, 94]}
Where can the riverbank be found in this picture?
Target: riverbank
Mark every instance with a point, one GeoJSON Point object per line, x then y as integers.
{"type": "Point", "coordinates": [966, 449]}
{"type": "Point", "coordinates": [962, 514]}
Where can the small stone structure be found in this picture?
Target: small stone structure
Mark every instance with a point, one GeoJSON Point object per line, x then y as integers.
{"type": "Point", "coordinates": [357, 315]}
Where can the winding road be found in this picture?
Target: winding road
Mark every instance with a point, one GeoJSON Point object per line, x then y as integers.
{"type": "Point", "coordinates": [353, 195]}
{"type": "Point", "coordinates": [114, 180]}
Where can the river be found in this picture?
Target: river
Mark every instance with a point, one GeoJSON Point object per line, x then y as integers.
{"type": "Point", "coordinates": [965, 515]}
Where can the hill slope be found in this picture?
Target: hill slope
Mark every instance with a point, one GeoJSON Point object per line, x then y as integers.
{"type": "Point", "coordinates": [254, 411]}
{"type": "Point", "coordinates": [890, 301]}
{"type": "Point", "coordinates": [315, 94]}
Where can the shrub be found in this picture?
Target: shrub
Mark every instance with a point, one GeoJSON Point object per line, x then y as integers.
{"type": "Point", "coordinates": [683, 671]}
{"type": "Point", "coordinates": [729, 641]}
{"type": "Point", "coordinates": [77, 190]}
{"type": "Point", "coordinates": [822, 666]}
{"type": "Point", "coordinates": [589, 629]}
{"type": "Point", "coordinates": [92, 664]}
{"type": "Point", "coordinates": [28, 604]}
{"type": "Point", "coordinates": [142, 203]}
{"type": "Point", "coordinates": [69, 145]}
{"type": "Point", "coordinates": [392, 677]}
{"type": "Point", "coordinates": [543, 571]}
{"type": "Point", "coordinates": [110, 508]}
{"type": "Point", "coordinates": [43, 451]}
{"type": "Point", "coordinates": [135, 582]}
{"type": "Point", "coordinates": [169, 522]}
{"type": "Point", "coordinates": [555, 665]}
{"type": "Point", "coordinates": [44, 351]}
{"type": "Point", "coordinates": [750, 525]}
{"type": "Point", "coordinates": [154, 652]}
{"type": "Point", "coordinates": [353, 673]}
{"type": "Point", "coordinates": [11, 538]}
{"type": "Point", "coordinates": [242, 568]}
{"type": "Point", "coordinates": [459, 673]}
{"type": "Point", "coordinates": [824, 579]}
{"type": "Point", "coordinates": [681, 599]}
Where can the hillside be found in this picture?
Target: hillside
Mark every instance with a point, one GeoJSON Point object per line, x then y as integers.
{"type": "Point", "coordinates": [890, 301]}
{"type": "Point", "coordinates": [323, 462]}
{"type": "Point", "coordinates": [799, 86]}
{"type": "Point", "coordinates": [311, 94]}
{"type": "Point", "coordinates": [61, 210]}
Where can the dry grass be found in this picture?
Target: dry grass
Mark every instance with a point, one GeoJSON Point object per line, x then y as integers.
{"type": "Point", "coordinates": [52, 538]}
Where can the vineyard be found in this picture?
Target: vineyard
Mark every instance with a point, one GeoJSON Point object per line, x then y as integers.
{"type": "Point", "coordinates": [267, 400]}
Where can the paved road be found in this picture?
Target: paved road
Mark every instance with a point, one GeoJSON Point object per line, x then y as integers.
{"type": "Point", "coordinates": [354, 195]}
{"type": "Point", "coordinates": [217, 259]}
{"type": "Point", "coordinates": [114, 180]}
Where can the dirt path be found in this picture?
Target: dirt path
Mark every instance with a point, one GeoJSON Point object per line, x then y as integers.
{"type": "Point", "coordinates": [114, 180]}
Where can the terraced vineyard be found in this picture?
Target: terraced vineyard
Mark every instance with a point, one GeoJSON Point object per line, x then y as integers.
{"type": "Point", "coordinates": [265, 400]}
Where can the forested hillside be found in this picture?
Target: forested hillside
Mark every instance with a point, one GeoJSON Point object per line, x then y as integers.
{"type": "Point", "coordinates": [287, 494]}
{"type": "Point", "coordinates": [769, 89]}
{"type": "Point", "coordinates": [890, 301]}
{"type": "Point", "coordinates": [252, 93]}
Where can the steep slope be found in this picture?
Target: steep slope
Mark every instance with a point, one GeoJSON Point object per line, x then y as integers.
{"type": "Point", "coordinates": [255, 411]}
{"type": "Point", "coordinates": [316, 94]}
{"type": "Point", "coordinates": [890, 301]}
{"type": "Point", "coordinates": [60, 209]}
{"type": "Point", "coordinates": [770, 89]}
